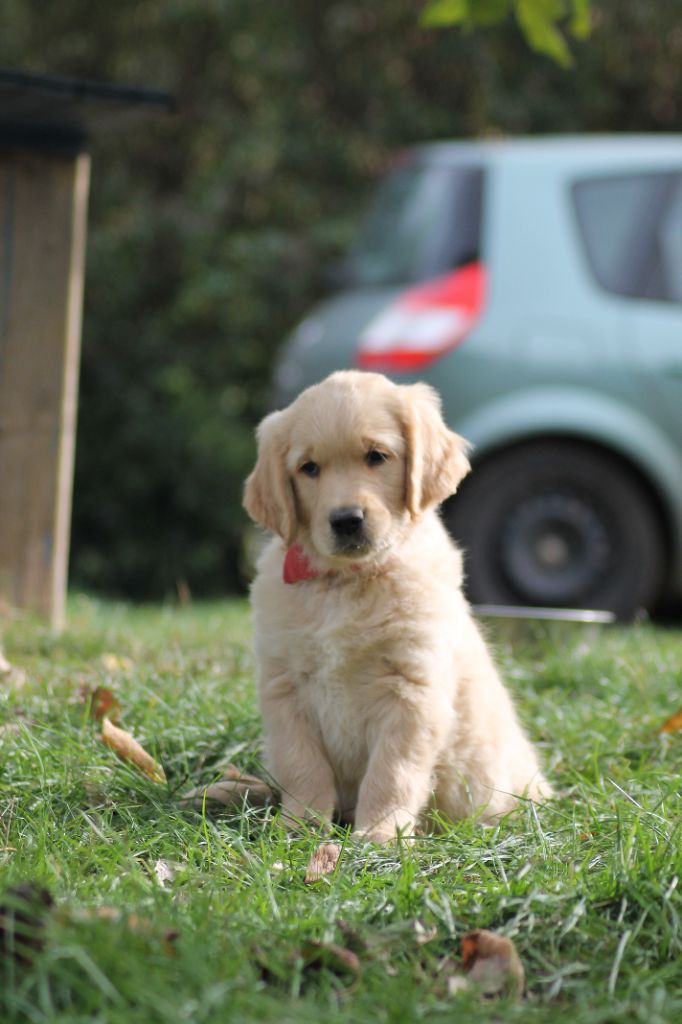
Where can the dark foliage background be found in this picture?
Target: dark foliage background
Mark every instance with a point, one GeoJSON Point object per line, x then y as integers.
{"type": "Point", "coordinates": [208, 228]}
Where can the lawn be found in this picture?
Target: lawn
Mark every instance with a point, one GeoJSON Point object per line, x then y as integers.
{"type": "Point", "coordinates": [587, 886]}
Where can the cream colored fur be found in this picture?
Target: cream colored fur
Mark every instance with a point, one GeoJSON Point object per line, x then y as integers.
{"type": "Point", "coordinates": [378, 694]}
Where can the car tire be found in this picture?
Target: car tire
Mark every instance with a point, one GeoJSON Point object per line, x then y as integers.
{"type": "Point", "coordinates": [558, 524]}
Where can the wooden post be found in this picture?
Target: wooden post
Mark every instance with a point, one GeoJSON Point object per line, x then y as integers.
{"type": "Point", "coordinates": [43, 218]}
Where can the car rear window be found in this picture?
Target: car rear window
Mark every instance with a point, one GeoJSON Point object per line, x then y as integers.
{"type": "Point", "coordinates": [631, 226]}
{"type": "Point", "coordinates": [425, 220]}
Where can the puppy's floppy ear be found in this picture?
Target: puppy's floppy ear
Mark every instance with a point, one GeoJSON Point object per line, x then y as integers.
{"type": "Point", "coordinates": [436, 457]}
{"type": "Point", "coordinates": [268, 494]}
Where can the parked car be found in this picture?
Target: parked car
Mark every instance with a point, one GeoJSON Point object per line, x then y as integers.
{"type": "Point", "coordinates": [537, 284]}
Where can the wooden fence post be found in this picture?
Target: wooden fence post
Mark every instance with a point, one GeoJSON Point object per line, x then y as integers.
{"type": "Point", "coordinates": [43, 219]}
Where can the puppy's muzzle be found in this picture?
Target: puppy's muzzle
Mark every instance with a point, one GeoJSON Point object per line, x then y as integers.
{"type": "Point", "coordinates": [348, 527]}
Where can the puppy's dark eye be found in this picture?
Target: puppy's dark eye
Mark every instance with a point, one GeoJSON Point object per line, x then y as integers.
{"type": "Point", "coordinates": [375, 457]}
{"type": "Point", "coordinates": [310, 469]}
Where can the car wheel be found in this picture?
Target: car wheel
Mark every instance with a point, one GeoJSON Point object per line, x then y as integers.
{"type": "Point", "coordinates": [558, 524]}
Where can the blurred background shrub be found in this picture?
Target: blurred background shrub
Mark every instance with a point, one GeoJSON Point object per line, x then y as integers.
{"type": "Point", "coordinates": [209, 228]}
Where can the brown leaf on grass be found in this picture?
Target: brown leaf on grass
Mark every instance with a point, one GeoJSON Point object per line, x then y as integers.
{"type": "Point", "coordinates": [338, 959]}
{"type": "Point", "coordinates": [323, 862]}
{"type": "Point", "coordinates": [381, 943]}
{"type": "Point", "coordinates": [23, 913]}
{"type": "Point", "coordinates": [128, 749]}
{"type": "Point", "coordinates": [310, 958]}
{"type": "Point", "coordinates": [491, 961]}
{"type": "Point", "coordinates": [170, 937]}
{"type": "Point", "coordinates": [232, 790]}
{"type": "Point", "coordinates": [673, 724]}
{"type": "Point", "coordinates": [103, 703]}
{"type": "Point", "coordinates": [237, 775]}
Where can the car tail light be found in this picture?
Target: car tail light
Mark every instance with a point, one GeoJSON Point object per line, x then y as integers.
{"type": "Point", "coordinates": [425, 322]}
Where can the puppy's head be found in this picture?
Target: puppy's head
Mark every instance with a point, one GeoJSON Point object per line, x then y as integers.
{"type": "Point", "coordinates": [351, 463]}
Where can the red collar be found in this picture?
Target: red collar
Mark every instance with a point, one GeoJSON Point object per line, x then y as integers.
{"type": "Point", "coordinates": [297, 566]}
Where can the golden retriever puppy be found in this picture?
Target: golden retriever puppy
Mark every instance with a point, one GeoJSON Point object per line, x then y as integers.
{"type": "Point", "coordinates": [378, 694]}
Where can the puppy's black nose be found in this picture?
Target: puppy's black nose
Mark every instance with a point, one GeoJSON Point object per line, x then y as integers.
{"type": "Point", "coordinates": [346, 521]}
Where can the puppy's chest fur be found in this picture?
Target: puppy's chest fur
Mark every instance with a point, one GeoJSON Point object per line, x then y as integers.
{"type": "Point", "coordinates": [341, 673]}
{"type": "Point", "coordinates": [345, 661]}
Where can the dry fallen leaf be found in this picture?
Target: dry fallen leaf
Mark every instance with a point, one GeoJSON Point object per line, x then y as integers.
{"type": "Point", "coordinates": [117, 663]}
{"type": "Point", "coordinates": [23, 912]}
{"type": "Point", "coordinates": [322, 862]}
{"type": "Point", "coordinates": [128, 749]}
{"type": "Point", "coordinates": [491, 961]}
{"type": "Point", "coordinates": [231, 790]}
{"type": "Point", "coordinates": [335, 958]}
{"type": "Point", "coordinates": [381, 943]}
{"type": "Point", "coordinates": [232, 772]}
{"type": "Point", "coordinates": [164, 872]}
{"type": "Point", "coordinates": [310, 958]}
{"type": "Point", "coordinates": [673, 724]}
{"type": "Point", "coordinates": [103, 703]}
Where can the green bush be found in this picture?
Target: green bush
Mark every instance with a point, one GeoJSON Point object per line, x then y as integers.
{"type": "Point", "coordinates": [208, 228]}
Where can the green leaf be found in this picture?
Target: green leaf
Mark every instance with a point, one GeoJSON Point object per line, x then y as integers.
{"type": "Point", "coordinates": [445, 12]}
{"type": "Point", "coordinates": [537, 19]}
{"type": "Point", "coordinates": [439, 13]}
{"type": "Point", "coordinates": [488, 12]}
{"type": "Point", "coordinates": [580, 24]}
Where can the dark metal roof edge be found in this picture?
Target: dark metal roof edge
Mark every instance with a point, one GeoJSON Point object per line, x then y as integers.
{"type": "Point", "coordinates": [43, 139]}
{"type": "Point", "coordinates": [86, 89]}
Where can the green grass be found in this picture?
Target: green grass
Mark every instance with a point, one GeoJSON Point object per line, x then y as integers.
{"type": "Point", "coordinates": [586, 887]}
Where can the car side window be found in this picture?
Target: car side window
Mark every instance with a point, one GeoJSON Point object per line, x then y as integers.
{"type": "Point", "coordinates": [628, 224]}
{"type": "Point", "coordinates": [670, 245]}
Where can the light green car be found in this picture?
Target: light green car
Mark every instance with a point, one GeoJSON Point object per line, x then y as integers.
{"type": "Point", "coordinates": [537, 284]}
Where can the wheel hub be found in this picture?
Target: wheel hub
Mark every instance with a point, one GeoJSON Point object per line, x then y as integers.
{"type": "Point", "coordinates": [552, 550]}
{"type": "Point", "coordinates": [555, 549]}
